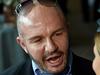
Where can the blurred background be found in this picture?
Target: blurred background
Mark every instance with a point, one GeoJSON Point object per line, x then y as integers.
{"type": "Point", "coordinates": [82, 15]}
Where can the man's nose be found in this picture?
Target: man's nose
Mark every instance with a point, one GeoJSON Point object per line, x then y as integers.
{"type": "Point", "coordinates": [50, 46]}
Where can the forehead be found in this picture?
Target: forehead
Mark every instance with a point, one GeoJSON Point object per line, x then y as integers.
{"type": "Point", "coordinates": [44, 17]}
{"type": "Point", "coordinates": [43, 13]}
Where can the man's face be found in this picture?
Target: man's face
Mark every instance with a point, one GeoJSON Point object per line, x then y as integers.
{"type": "Point", "coordinates": [46, 40]}
{"type": "Point", "coordinates": [96, 62]}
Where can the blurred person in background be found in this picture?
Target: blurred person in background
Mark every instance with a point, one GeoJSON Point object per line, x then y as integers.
{"type": "Point", "coordinates": [1, 15]}
{"type": "Point", "coordinates": [10, 50]}
{"type": "Point", "coordinates": [96, 12]}
{"type": "Point", "coordinates": [10, 18]}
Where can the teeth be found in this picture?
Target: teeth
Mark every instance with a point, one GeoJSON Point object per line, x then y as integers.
{"type": "Point", "coordinates": [53, 57]}
{"type": "Point", "coordinates": [54, 60]}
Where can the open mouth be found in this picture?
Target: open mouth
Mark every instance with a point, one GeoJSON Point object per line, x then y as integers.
{"type": "Point", "coordinates": [54, 60]}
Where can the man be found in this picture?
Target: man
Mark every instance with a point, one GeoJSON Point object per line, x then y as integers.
{"type": "Point", "coordinates": [43, 34]}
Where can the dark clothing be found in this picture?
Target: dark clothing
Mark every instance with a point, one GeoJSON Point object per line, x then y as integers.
{"type": "Point", "coordinates": [80, 66]}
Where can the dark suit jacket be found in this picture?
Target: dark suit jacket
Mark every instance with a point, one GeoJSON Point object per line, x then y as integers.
{"type": "Point", "coordinates": [80, 66]}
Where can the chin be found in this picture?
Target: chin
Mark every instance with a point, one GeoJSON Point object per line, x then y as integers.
{"type": "Point", "coordinates": [56, 70]}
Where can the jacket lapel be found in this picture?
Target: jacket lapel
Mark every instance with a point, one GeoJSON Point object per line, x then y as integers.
{"type": "Point", "coordinates": [27, 68]}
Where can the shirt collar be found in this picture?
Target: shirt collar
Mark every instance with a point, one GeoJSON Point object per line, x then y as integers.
{"type": "Point", "coordinates": [34, 66]}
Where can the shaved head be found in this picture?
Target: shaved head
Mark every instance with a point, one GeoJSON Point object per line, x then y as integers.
{"type": "Point", "coordinates": [37, 12]}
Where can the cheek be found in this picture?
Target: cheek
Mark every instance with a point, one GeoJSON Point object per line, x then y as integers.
{"type": "Point", "coordinates": [36, 52]}
{"type": "Point", "coordinates": [96, 64]}
{"type": "Point", "coordinates": [63, 43]}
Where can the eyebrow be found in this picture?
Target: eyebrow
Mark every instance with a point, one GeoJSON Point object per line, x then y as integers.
{"type": "Point", "coordinates": [34, 38]}
{"type": "Point", "coordinates": [38, 36]}
{"type": "Point", "coordinates": [60, 29]}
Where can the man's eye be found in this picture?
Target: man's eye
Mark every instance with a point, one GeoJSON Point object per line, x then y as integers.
{"type": "Point", "coordinates": [37, 40]}
{"type": "Point", "coordinates": [58, 33]}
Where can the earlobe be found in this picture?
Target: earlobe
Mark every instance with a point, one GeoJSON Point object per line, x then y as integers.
{"type": "Point", "coordinates": [18, 40]}
{"type": "Point", "coordinates": [21, 43]}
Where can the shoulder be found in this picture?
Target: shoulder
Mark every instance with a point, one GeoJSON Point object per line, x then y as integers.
{"type": "Point", "coordinates": [13, 70]}
{"type": "Point", "coordinates": [82, 66]}
{"type": "Point", "coordinates": [23, 68]}
{"type": "Point", "coordinates": [80, 60]}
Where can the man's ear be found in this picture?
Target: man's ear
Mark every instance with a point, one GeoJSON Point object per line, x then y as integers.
{"type": "Point", "coordinates": [21, 42]}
